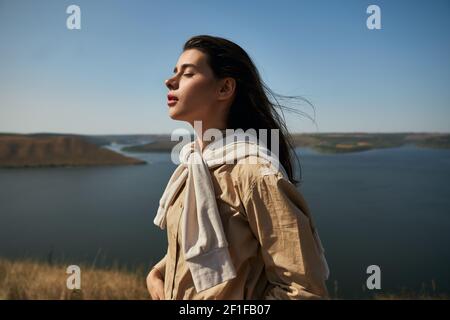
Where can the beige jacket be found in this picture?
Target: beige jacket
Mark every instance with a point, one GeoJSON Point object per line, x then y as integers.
{"type": "Point", "coordinates": [267, 224]}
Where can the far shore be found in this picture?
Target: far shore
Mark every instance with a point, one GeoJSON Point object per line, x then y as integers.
{"type": "Point", "coordinates": [330, 142]}
{"type": "Point", "coordinates": [73, 150]}
{"type": "Point", "coordinates": [33, 151]}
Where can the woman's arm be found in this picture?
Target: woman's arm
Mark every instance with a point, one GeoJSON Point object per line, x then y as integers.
{"type": "Point", "coordinates": [161, 266]}
{"type": "Point", "coordinates": [155, 280]}
{"type": "Point", "coordinates": [276, 213]}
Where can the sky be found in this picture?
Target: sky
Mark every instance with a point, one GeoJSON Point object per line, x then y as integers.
{"type": "Point", "coordinates": [108, 77]}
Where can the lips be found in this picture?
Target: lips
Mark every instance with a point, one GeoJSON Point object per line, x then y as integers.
{"type": "Point", "coordinates": [171, 100]}
{"type": "Point", "coordinates": [171, 97]}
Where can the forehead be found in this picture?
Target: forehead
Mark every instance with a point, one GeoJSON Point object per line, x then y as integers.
{"type": "Point", "coordinates": [192, 56]}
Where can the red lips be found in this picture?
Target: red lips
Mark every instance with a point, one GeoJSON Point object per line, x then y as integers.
{"type": "Point", "coordinates": [171, 97]}
{"type": "Point", "coordinates": [171, 100]}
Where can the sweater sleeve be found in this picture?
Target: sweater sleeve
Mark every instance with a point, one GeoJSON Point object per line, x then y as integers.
{"type": "Point", "coordinates": [278, 216]}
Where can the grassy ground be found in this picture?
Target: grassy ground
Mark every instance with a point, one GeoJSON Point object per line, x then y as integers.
{"type": "Point", "coordinates": [411, 296]}
{"type": "Point", "coordinates": [29, 279]}
{"type": "Point", "coordinates": [35, 280]}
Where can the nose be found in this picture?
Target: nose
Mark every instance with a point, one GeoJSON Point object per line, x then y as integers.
{"type": "Point", "coordinates": [169, 83]}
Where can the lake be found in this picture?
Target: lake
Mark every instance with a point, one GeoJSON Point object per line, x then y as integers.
{"type": "Point", "coordinates": [385, 207]}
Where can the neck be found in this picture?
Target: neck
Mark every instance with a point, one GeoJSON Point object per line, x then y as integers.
{"type": "Point", "coordinates": [204, 141]}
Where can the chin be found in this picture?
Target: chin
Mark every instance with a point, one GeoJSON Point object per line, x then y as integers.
{"type": "Point", "coordinates": [174, 115]}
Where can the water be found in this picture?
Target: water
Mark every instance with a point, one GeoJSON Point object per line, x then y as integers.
{"type": "Point", "coordinates": [388, 207]}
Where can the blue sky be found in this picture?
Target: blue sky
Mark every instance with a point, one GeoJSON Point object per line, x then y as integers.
{"type": "Point", "coordinates": [108, 77]}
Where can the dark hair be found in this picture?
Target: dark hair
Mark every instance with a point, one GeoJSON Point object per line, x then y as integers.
{"type": "Point", "coordinates": [251, 107]}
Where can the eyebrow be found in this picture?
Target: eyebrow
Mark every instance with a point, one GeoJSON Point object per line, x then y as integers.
{"type": "Point", "coordinates": [185, 65]}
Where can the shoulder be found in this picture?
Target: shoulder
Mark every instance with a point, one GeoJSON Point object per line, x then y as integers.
{"type": "Point", "coordinates": [269, 193]}
{"type": "Point", "coordinates": [249, 172]}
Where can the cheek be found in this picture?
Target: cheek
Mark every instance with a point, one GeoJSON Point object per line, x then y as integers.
{"type": "Point", "coordinates": [199, 92]}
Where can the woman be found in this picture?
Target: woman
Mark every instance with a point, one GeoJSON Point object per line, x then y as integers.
{"type": "Point", "coordinates": [237, 230]}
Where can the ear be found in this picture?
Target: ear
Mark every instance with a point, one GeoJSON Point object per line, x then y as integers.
{"type": "Point", "coordinates": [227, 87]}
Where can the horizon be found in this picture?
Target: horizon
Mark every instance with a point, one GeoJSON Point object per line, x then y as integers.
{"type": "Point", "coordinates": [169, 133]}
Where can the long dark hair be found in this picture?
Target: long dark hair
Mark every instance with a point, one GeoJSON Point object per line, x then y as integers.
{"type": "Point", "coordinates": [251, 107]}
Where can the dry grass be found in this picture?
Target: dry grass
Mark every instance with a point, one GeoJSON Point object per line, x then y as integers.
{"type": "Point", "coordinates": [410, 296]}
{"type": "Point", "coordinates": [36, 280]}
{"type": "Point", "coordinates": [29, 279]}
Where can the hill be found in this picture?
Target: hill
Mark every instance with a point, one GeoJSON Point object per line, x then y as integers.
{"type": "Point", "coordinates": [56, 150]}
{"type": "Point", "coordinates": [330, 142]}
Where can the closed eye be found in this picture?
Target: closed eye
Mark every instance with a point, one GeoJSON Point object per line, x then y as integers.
{"type": "Point", "coordinates": [188, 74]}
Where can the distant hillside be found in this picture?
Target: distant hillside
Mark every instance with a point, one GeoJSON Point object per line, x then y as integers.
{"type": "Point", "coordinates": [321, 142]}
{"type": "Point", "coordinates": [330, 142]}
{"type": "Point", "coordinates": [353, 142]}
{"type": "Point", "coordinates": [99, 140]}
{"type": "Point", "coordinates": [159, 143]}
{"type": "Point", "coordinates": [123, 138]}
{"type": "Point", "coordinates": [48, 150]}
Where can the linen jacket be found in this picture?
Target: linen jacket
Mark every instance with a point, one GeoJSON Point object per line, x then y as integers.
{"type": "Point", "coordinates": [268, 227]}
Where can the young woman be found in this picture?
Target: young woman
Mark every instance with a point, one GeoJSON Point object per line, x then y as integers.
{"type": "Point", "coordinates": [238, 230]}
